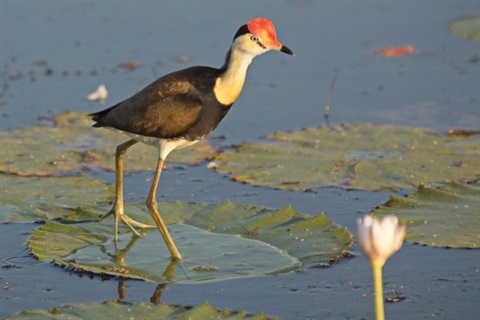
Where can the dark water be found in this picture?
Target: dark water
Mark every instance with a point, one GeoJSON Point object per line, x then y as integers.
{"type": "Point", "coordinates": [53, 54]}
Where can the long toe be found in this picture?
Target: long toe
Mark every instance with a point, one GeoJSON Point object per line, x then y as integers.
{"type": "Point", "coordinates": [131, 224]}
{"type": "Point", "coordinates": [127, 220]}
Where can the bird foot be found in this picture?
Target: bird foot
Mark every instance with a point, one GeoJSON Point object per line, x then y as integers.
{"type": "Point", "coordinates": [131, 224]}
{"type": "Point", "coordinates": [127, 221]}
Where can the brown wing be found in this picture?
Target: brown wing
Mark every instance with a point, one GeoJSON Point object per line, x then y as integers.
{"type": "Point", "coordinates": [165, 109]}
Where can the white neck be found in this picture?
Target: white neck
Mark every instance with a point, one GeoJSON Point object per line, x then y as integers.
{"type": "Point", "coordinates": [229, 85]}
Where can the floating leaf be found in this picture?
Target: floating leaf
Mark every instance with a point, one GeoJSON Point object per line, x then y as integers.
{"type": "Point", "coordinates": [467, 27]}
{"type": "Point", "coordinates": [243, 241]}
{"type": "Point", "coordinates": [72, 143]}
{"type": "Point", "coordinates": [358, 156]}
{"type": "Point", "coordinates": [448, 216]}
{"type": "Point", "coordinates": [139, 310]}
{"type": "Point", "coordinates": [208, 256]}
{"type": "Point", "coordinates": [27, 199]}
{"type": "Point", "coordinates": [39, 151]}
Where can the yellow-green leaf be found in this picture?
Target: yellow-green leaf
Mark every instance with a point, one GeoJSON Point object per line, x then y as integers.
{"type": "Point", "coordinates": [27, 199]}
{"type": "Point", "coordinates": [72, 145]}
{"type": "Point", "coordinates": [448, 216]}
{"type": "Point", "coordinates": [217, 241]}
{"type": "Point", "coordinates": [358, 156]}
{"type": "Point", "coordinates": [468, 27]}
{"type": "Point", "coordinates": [139, 310]}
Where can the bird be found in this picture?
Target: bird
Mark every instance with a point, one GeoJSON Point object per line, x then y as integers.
{"type": "Point", "coordinates": [178, 110]}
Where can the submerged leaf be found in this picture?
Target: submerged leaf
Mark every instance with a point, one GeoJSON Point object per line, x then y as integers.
{"type": "Point", "coordinates": [358, 156]}
{"type": "Point", "coordinates": [244, 241]}
{"type": "Point", "coordinates": [73, 144]}
{"type": "Point", "coordinates": [448, 216]}
{"type": "Point", "coordinates": [139, 310]}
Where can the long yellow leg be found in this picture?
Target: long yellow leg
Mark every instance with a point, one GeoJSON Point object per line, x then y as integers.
{"type": "Point", "coordinates": [118, 209]}
{"type": "Point", "coordinates": [153, 208]}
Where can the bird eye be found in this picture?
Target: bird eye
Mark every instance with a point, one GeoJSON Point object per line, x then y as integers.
{"type": "Point", "coordinates": [257, 40]}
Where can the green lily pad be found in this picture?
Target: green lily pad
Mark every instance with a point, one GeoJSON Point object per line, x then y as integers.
{"type": "Point", "coordinates": [448, 216]}
{"type": "Point", "coordinates": [72, 144]}
{"type": "Point", "coordinates": [208, 256]}
{"type": "Point", "coordinates": [28, 199]}
{"type": "Point", "coordinates": [358, 156]}
{"type": "Point", "coordinates": [217, 241]}
{"type": "Point", "coordinates": [467, 27]}
{"type": "Point", "coordinates": [139, 310]}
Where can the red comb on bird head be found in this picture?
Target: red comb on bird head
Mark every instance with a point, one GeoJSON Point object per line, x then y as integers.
{"type": "Point", "coordinates": [264, 28]}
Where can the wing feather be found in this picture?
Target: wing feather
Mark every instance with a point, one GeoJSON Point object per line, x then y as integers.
{"type": "Point", "coordinates": [165, 109]}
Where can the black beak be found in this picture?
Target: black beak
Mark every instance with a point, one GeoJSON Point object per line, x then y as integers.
{"type": "Point", "coordinates": [287, 50]}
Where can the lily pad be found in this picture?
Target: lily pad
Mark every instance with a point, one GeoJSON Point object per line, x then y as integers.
{"type": "Point", "coordinates": [139, 310]}
{"type": "Point", "coordinates": [467, 27]}
{"type": "Point", "coordinates": [208, 256]}
{"type": "Point", "coordinates": [29, 199]}
{"type": "Point", "coordinates": [448, 216]}
{"type": "Point", "coordinates": [358, 156]}
{"type": "Point", "coordinates": [72, 144]}
{"type": "Point", "coordinates": [217, 241]}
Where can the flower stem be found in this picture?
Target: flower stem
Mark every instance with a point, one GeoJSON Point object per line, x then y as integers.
{"type": "Point", "coordinates": [377, 282]}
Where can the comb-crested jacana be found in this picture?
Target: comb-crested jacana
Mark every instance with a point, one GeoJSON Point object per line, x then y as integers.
{"type": "Point", "coordinates": [181, 108]}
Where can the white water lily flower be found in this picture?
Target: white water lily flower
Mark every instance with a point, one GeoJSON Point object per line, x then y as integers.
{"type": "Point", "coordinates": [100, 94]}
{"type": "Point", "coordinates": [379, 239]}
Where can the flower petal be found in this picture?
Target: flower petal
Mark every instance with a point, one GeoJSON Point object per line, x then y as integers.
{"type": "Point", "coordinates": [379, 239]}
{"type": "Point", "coordinates": [399, 236]}
{"type": "Point", "coordinates": [386, 238]}
{"type": "Point", "coordinates": [100, 94]}
{"type": "Point", "coordinates": [363, 234]}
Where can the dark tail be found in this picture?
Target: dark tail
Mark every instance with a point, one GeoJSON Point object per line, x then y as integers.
{"type": "Point", "coordinates": [97, 116]}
